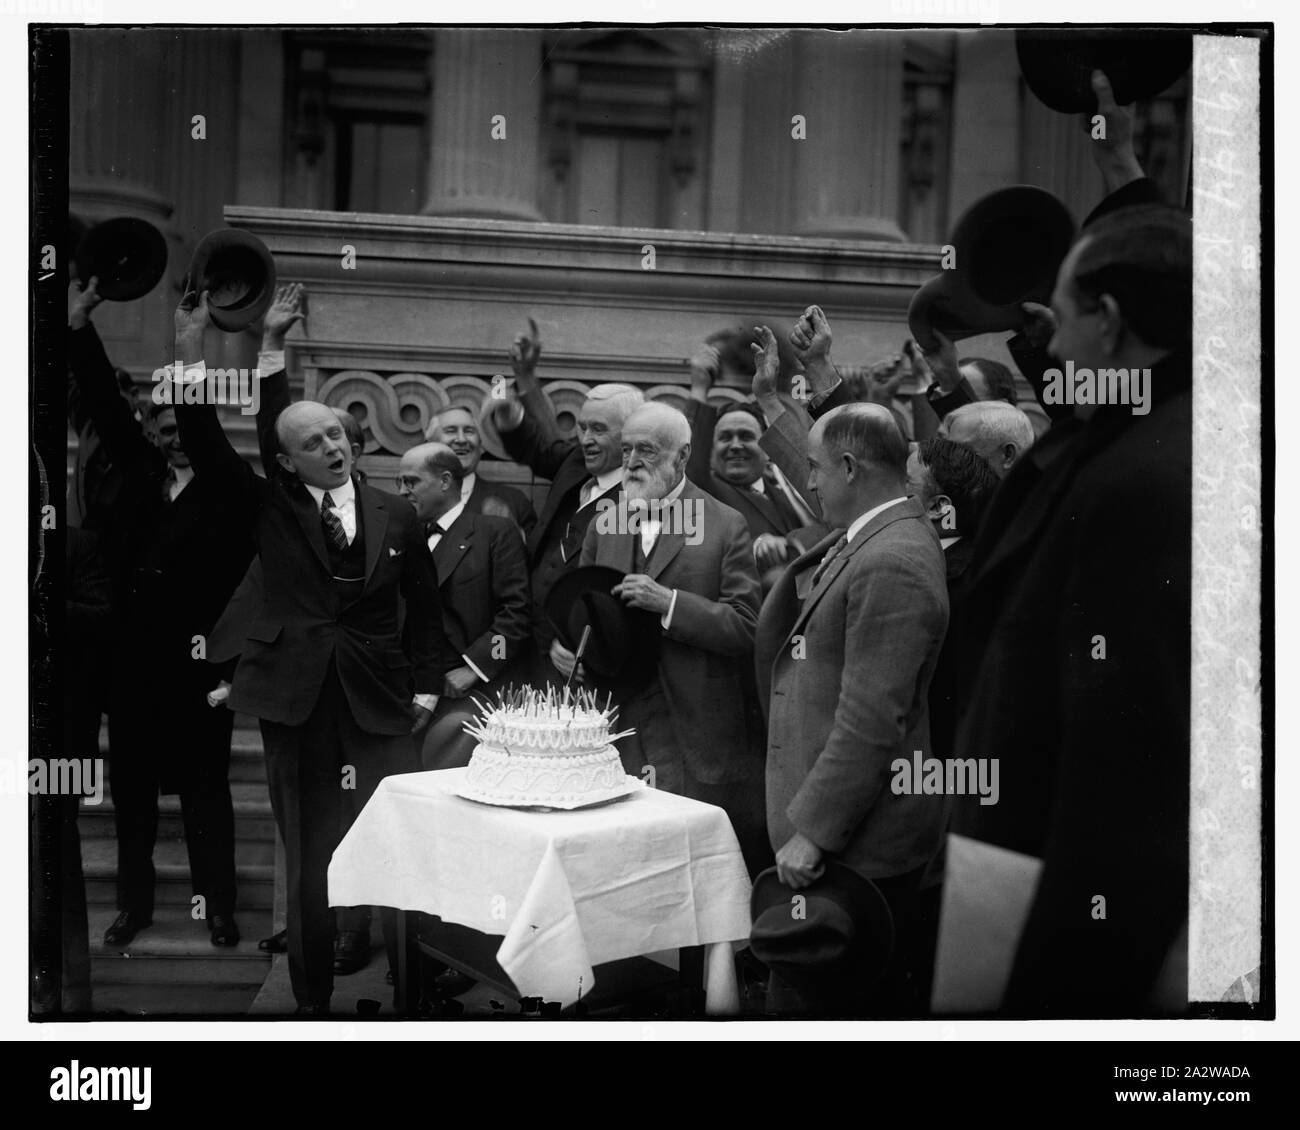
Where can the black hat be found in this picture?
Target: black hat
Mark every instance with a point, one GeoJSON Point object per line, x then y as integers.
{"type": "Point", "coordinates": [838, 940]}
{"type": "Point", "coordinates": [127, 255]}
{"type": "Point", "coordinates": [1008, 247]}
{"type": "Point", "coordinates": [237, 270]}
{"type": "Point", "coordinates": [623, 648]}
{"type": "Point", "coordinates": [1058, 65]}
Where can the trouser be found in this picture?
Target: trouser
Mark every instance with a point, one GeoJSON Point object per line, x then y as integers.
{"type": "Point", "coordinates": [871, 993]}
{"type": "Point", "coordinates": [315, 800]}
{"type": "Point", "coordinates": [654, 744]}
{"type": "Point", "coordinates": [172, 740]}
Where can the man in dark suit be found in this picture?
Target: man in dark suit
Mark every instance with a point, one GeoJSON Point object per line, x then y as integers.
{"type": "Point", "coordinates": [585, 472]}
{"type": "Point", "coordinates": [686, 558]}
{"type": "Point", "coordinates": [846, 646]}
{"type": "Point", "coordinates": [175, 545]}
{"type": "Point", "coordinates": [1076, 608]}
{"type": "Point", "coordinates": [457, 428]}
{"type": "Point", "coordinates": [483, 582]}
{"type": "Point", "coordinates": [325, 670]}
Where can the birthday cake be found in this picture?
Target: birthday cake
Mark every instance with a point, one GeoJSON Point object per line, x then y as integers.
{"type": "Point", "coordinates": [545, 749]}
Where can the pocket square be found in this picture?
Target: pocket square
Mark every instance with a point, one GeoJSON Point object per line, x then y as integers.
{"type": "Point", "coordinates": [394, 552]}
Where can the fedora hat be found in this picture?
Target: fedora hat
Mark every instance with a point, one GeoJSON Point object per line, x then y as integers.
{"type": "Point", "coordinates": [623, 648]}
{"type": "Point", "coordinates": [1009, 245]}
{"type": "Point", "coordinates": [127, 255]}
{"type": "Point", "coordinates": [1058, 65]}
{"type": "Point", "coordinates": [237, 270]}
{"type": "Point", "coordinates": [839, 942]}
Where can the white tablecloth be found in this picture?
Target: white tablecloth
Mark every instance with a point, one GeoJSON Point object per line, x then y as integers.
{"type": "Point", "coordinates": [569, 890]}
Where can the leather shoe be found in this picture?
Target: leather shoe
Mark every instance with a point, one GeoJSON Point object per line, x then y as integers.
{"type": "Point", "coordinates": [276, 943]}
{"type": "Point", "coordinates": [125, 927]}
{"type": "Point", "coordinates": [351, 951]}
{"type": "Point", "coordinates": [307, 1011]}
{"type": "Point", "coordinates": [223, 930]}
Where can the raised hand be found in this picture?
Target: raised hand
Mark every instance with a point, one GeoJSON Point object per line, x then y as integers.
{"type": "Point", "coordinates": [526, 351]}
{"type": "Point", "coordinates": [767, 364]}
{"type": "Point", "coordinates": [811, 337]}
{"type": "Point", "coordinates": [705, 366]}
{"type": "Point", "coordinates": [286, 311]}
{"type": "Point", "coordinates": [1113, 153]}
{"type": "Point", "coordinates": [885, 378]}
{"type": "Point", "coordinates": [190, 320]}
{"type": "Point", "coordinates": [81, 301]}
{"type": "Point", "coordinates": [1039, 324]}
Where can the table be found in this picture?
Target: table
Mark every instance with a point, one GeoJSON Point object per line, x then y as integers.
{"type": "Point", "coordinates": [569, 890]}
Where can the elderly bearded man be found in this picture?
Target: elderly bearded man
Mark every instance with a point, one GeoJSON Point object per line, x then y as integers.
{"type": "Point", "coordinates": [689, 562]}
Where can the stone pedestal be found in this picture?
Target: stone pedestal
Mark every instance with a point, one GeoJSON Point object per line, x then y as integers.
{"type": "Point", "coordinates": [849, 88]}
{"type": "Point", "coordinates": [485, 82]}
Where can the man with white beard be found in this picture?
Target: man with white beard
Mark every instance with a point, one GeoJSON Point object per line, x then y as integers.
{"type": "Point", "coordinates": [686, 558]}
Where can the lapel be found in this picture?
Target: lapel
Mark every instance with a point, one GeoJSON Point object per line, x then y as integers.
{"type": "Point", "coordinates": [373, 521]}
{"type": "Point", "coordinates": [304, 509]}
{"type": "Point", "coordinates": [909, 508]}
{"type": "Point", "coordinates": [743, 499]}
{"type": "Point", "coordinates": [453, 545]}
{"type": "Point", "coordinates": [666, 547]}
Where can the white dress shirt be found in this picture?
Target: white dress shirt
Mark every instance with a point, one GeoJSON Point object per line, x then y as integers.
{"type": "Point", "coordinates": [181, 477]}
{"type": "Point", "coordinates": [445, 522]}
{"type": "Point", "coordinates": [594, 488]}
{"type": "Point", "coordinates": [467, 486]}
{"type": "Point", "coordinates": [650, 528]}
{"type": "Point", "coordinates": [344, 499]}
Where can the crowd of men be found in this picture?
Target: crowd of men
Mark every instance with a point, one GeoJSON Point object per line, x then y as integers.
{"type": "Point", "coordinates": [875, 574]}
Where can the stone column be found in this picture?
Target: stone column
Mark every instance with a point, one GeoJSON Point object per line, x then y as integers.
{"type": "Point", "coordinates": [1058, 157]}
{"type": "Point", "coordinates": [485, 81]}
{"type": "Point", "coordinates": [849, 88]}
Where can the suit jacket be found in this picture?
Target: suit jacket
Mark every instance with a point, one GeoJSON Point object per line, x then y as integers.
{"type": "Point", "coordinates": [515, 500]}
{"type": "Point", "coordinates": [845, 673]}
{"type": "Point", "coordinates": [555, 545]}
{"type": "Point", "coordinates": [786, 443]}
{"type": "Point", "coordinates": [304, 624]}
{"type": "Point", "coordinates": [706, 651]}
{"type": "Point", "coordinates": [483, 584]}
{"type": "Point", "coordinates": [173, 564]}
{"type": "Point", "coordinates": [1096, 542]}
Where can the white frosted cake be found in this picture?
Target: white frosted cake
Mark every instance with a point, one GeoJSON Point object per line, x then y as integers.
{"type": "Point", "coordinates": [545, 750]}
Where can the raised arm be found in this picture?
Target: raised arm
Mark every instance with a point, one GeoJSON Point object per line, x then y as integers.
{"type": "Point", "coordinates": [526, 422]}
{"type": "Point", "coordinates": [97, 395]}
{"type": "Point", "coordinates": [285, 311]}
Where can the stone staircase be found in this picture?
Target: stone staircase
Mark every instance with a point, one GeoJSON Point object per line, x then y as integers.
{"type": "Point", "coordinates": [172, 968]}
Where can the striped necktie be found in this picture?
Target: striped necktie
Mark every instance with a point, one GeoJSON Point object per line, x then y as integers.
{"type": "Point", "coordinates": [835, 551]}
{"type": "Point", "coordinates": [334, 531]}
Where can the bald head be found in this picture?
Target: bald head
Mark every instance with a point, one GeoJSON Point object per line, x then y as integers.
{"type": "Point", "coordinates": [656, 446]}
{"type": "Point", "coordinates": [997, 432]}
{"type": "Point", "coordinates": [313, 444]}
{"type": "Point", "coordinates": [857, 459]}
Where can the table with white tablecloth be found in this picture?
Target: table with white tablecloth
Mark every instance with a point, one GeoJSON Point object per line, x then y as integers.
{"type": "Point", "coordinates": [570, 890]}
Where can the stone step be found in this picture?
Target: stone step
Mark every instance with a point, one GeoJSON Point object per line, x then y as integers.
{"type": "Point", "coordinates": [175, 951]}
{"type": "Point", "coordinates": [254, 873]}
{"type": "Point", "coordinates": [254, 819]}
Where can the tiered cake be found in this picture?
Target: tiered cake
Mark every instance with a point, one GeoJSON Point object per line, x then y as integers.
{"type": "Point", "coordinates": [545, 750]}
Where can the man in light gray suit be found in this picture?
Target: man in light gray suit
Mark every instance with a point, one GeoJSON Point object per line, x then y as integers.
{"type": "Point", "coordinates": [846, 645]}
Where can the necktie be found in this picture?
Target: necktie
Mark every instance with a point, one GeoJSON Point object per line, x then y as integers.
{"type": "Point", "coordinates": [334, 531]}
{"type": "Point", "coordinates": [836, 550]}
{"type": "Point", "coordinates": [434, 530]}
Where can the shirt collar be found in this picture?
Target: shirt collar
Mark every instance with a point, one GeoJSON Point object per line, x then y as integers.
{"type": "Point", "coordinates": [606, 479]}
{"type": "Point", "coordinates": [182, 475]}
{"type": "Point", "coordinates": [467, 486]}
{"type": "Point", "coordinates": [758, 486]}
{"type": "Point", "coordinates": [674, 493]}
{"type": "Point", "coordinates": [863, 519]}
{"type": "Point", "coordinates": [340, 495]}
{"type": "Point", "coordinates": [450, 517]}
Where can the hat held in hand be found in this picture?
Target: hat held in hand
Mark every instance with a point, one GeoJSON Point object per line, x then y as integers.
{"type": "Point", "coordinates": [623, 649]}
{"type": "Point", "coordinates": [834, 943]}
{"type": "Point", "coordinates": [1008, 247]}
{"type": "Point", "coordinates": [1058, 65]}
{"type": "Point", "coordinates": [126, 255]}
{"type": "Point", "coordinates": [238, 272]}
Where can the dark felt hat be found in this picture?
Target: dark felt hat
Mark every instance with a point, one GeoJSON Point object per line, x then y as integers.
{"type": "Point", "coordinates": [127, 255]}
{"type": "Point", "coordinates": [1008, 247]}
{"type": "Point", "coordinates": [834, 937]}
{"type": "Point", "coordinates": [1058, 64]}
{"type": "Point", "coordinates": [237, 270]}
{"type": "Point", "coordinates": [623, 648]}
